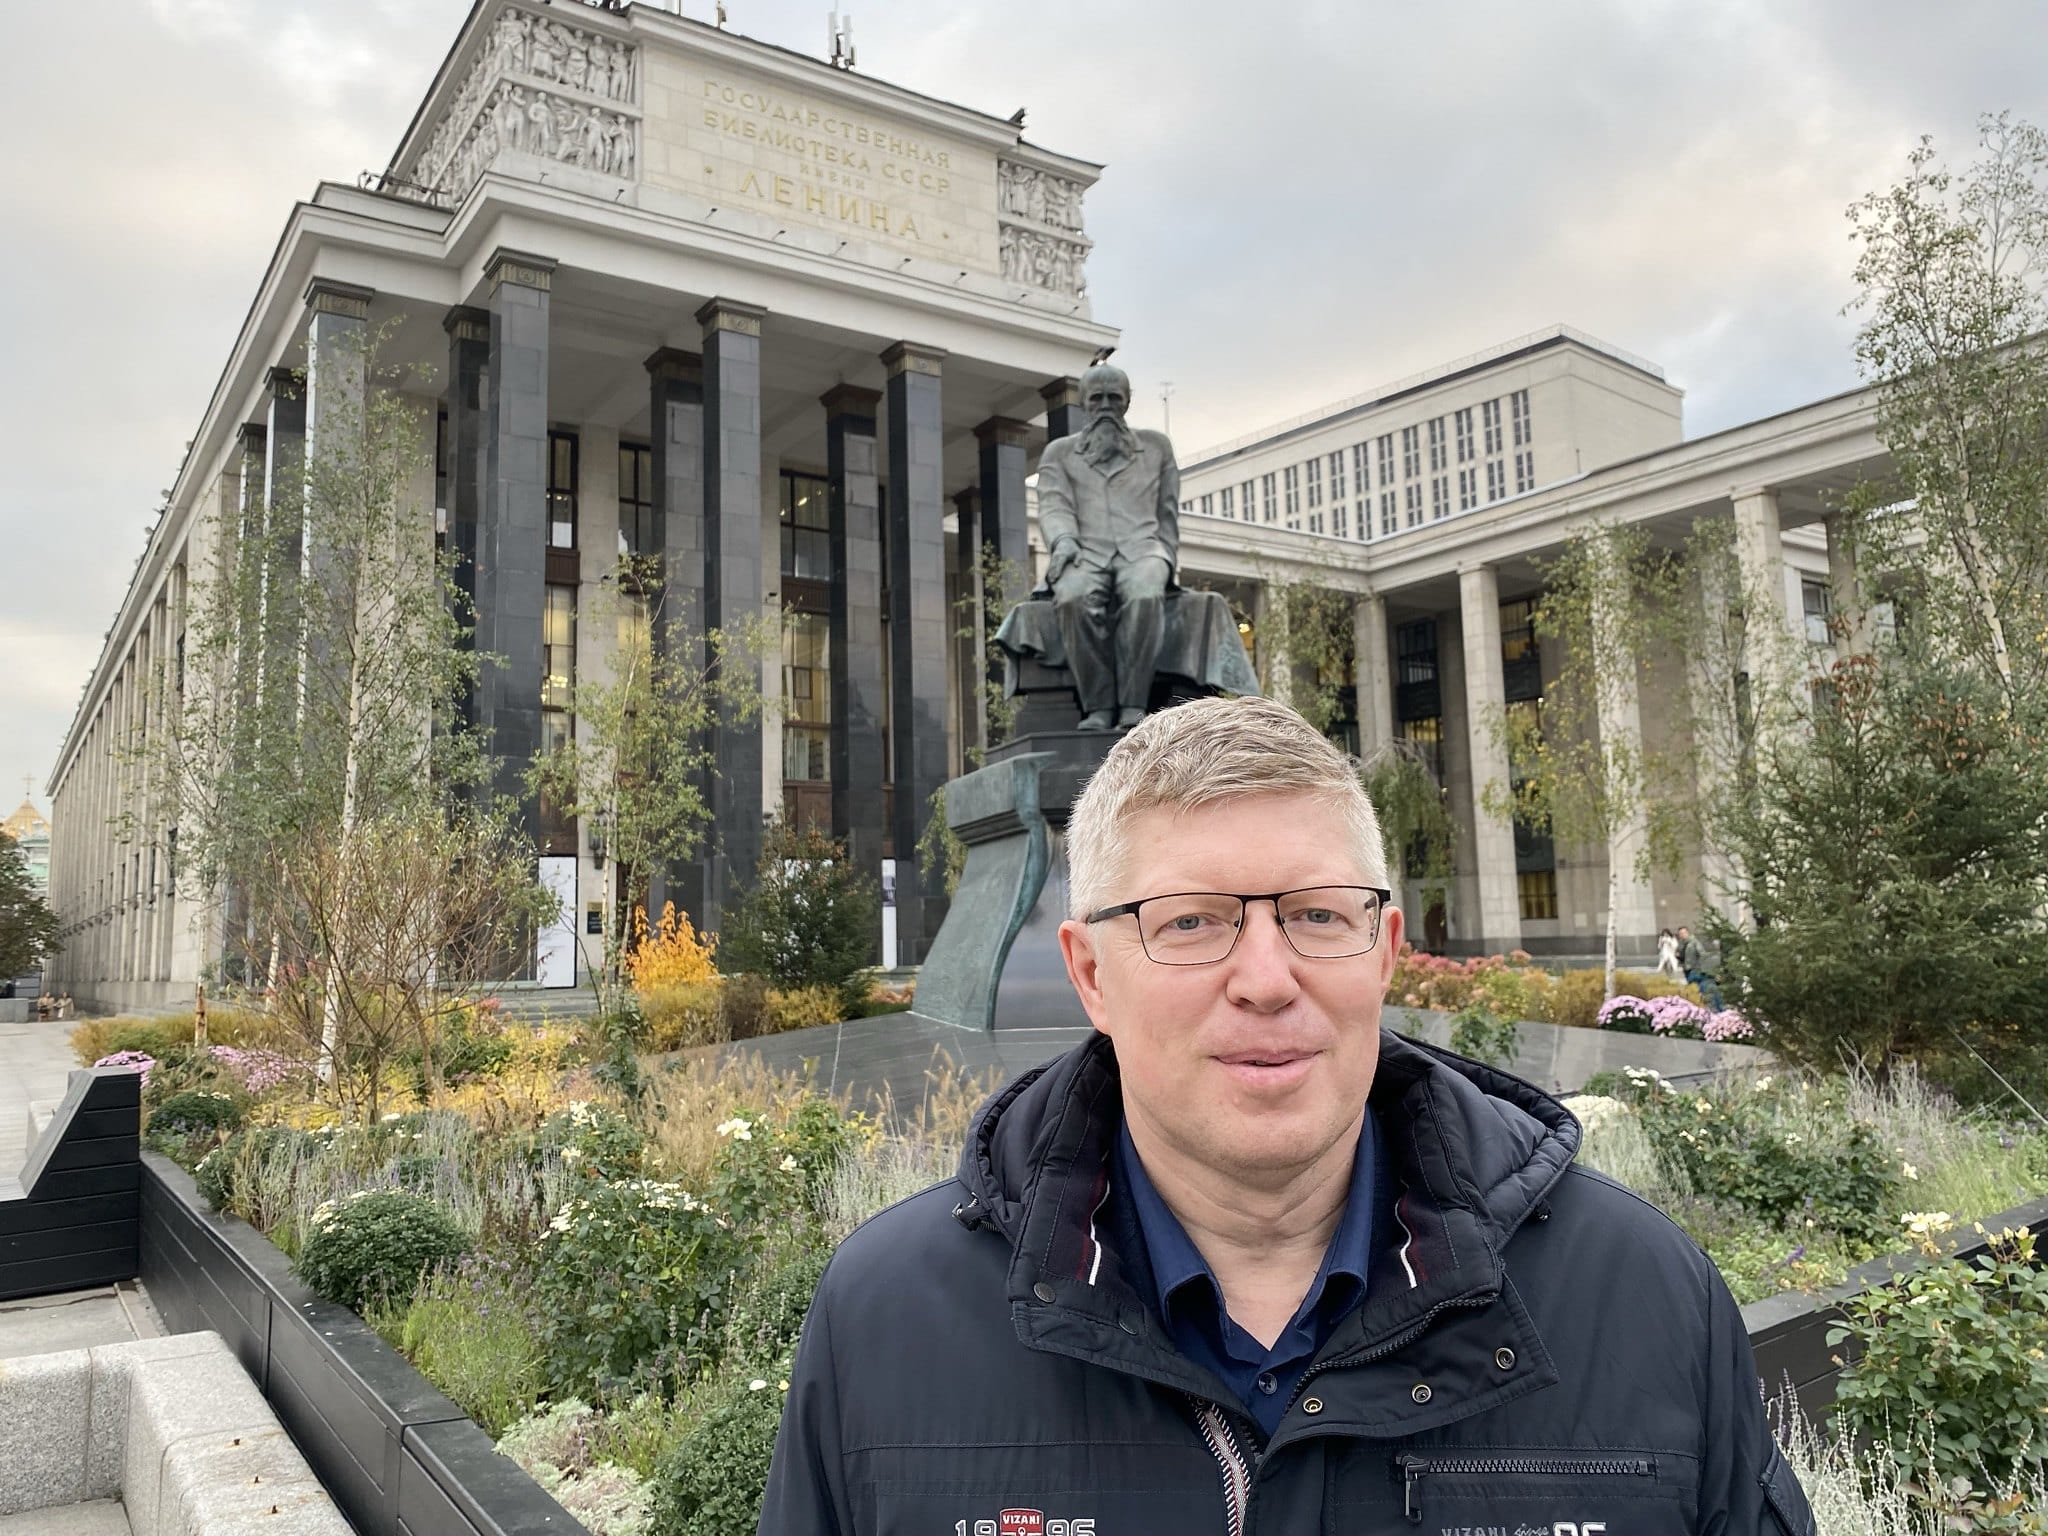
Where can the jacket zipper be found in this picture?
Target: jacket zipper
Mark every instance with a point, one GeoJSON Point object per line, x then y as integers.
{"type": "Point", "coordinates": [1414, 1468]}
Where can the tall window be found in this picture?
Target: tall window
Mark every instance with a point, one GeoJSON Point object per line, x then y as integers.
{"type": "Point", "coordinates": [1468, 489]}
{"type": "Point", "coordinates": [1390, 520]}
{"type": "Point", "coordinates": [1244, 501]}
{"type": "Point", "coordinates": [1525, 472]}
{"type": "Point", "coordinates": [1386, 458]}
{"type": "Point", "coordinates": [1206, 504]}
{"type": "Point", "coordinates": [1337, 475]}
{"type": "Point", "coordinates": [1268, 506]}
{"type": "Point", "coordinates": [1436, 444]}
{"type": "Point", "coordinates": [807, 697]}
{"type": "Point", "coordinates": [1521, 666]}
{"type": "Point", "coordinates": [1291, 477]}
{"type": "Point", "coordinates": [1464, 428]}
{"type": "Point", "coordinates": [1315, 483]}
{"type": "Point", "coordinates": [1411, 452]}
{"type": "Point", "coordinates": [1489, 419]}
{"type": "Point", "coordinates": [1496, 479]}
{"type": "Point", "coordinates": [561, 490]}
{"type": "Point", "coordinates": [1537, 890]}
{"type": "Point", "coordinates": [1340, 520]}
{"type": "Point", "coordinates": [806, 534]}
{"type": "Point", "coordinates": [557, 699]}
{"type": "Point", "coordinates": [1440, 496]}
{"type": "Point", "coordinates": [1413, 493]}
{"type": "Point", "coordinates": [1815, 604]}
{"type": "Point", "coordinates": [636, 499]}
{"type": "Point", "coordinates": [1518, 413]}
{"type": "Point", "coordinates": [1225, 502]}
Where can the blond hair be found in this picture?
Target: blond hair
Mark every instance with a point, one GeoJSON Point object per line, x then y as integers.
{"type": "Point", "coordinates": [1201, 754]}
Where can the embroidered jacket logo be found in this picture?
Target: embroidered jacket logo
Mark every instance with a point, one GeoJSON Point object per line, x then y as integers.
{"type": "Point", "coordinates": [1024, 1522]}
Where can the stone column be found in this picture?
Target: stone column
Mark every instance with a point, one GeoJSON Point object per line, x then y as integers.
{"type": "Point", "coordinates": [1773, 637]}
{"type": "Point", "coordinates": [1062, 398]}
{"type": "Point", "coordinates": [469, 357]}
{"type": "Point", "coordinates": [1372, 675]}
{"type": "Point", "coordinates": [732, 582]}
{"type": "Point", "coordinates": [1005, 537]}
{"type": "Point", "coordinates": [855, 625]}
{"type": "Point", "coordinates": [965, 625]}
{"type": "Point", "coordinates": [284, 511]}
{"type": "Point", "coordinates": [337, 384]}
{"type": "Point", "coordinates": [917, 631]}
{"type": "Point", "coordinates": [1850, 602]}
{"type": "Point", "coordinates": [1269, 636]}
{"type": "Point", "coordinates": [1500, 909]}
{"type": "Point", "coordinates": [1618, 673]}
{"type": "Point", "coordinates": [511, 559]}
{"type": "Point", "coordinates": [675, 424]}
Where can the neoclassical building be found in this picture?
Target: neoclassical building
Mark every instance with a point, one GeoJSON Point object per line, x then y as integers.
{"type": "Point", "coordinates": [801, 334]}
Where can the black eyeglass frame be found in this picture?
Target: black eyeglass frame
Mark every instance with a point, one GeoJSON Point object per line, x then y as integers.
{"type": "Point", "coordinates": [1130, 909]}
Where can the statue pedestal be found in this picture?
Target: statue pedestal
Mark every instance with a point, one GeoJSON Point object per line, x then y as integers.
{"type": "Point", "coordinates": [996, 962]}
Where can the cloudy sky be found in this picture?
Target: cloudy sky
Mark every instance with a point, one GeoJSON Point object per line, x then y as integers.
{"type": "Point", "coordinates": [1303, 199]}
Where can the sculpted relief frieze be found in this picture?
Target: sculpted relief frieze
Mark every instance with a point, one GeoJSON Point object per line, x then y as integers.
{"type": "Point", "coordinates": [1040, 229]}
{"type": "Point", "coordinates": [540, 87]}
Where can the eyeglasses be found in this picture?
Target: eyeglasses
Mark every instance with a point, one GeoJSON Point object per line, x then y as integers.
{"type": "Point", "coordinates": [1320, 922]}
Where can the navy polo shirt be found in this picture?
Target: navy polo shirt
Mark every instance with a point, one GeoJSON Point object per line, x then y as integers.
{"type": "Point", "coordinates": [1190, 1302]}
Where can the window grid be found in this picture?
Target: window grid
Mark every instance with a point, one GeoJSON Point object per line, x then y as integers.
{"type": "Point", "coordinates": [1411, 452]}
{"type": "Point", "coordinates": [1206, 505]}
{"type": "Point", "coordinates": [561, 490]}
{"type": "Point", "coordinates": [1436, 444]}
{"type": "Point", "coordinates": [1225, 502]}
{"type": "Point", "coordinates": [1269, 506]}
{"type": "Point", "coordinates": [1468, 489]}
{"type": "Point", "coordinates": [1464, 429]}
{"type": "Point", "coordinates": [1337, 475]}
{"type": "Point", "coordinates": [1496, 480]}
{"type": "Point", "coordinates": [1489, 418]}
{"type": "Point", "coordinates": [1537, 889]}
{"type": "Point", "coordinates": [1525, 472]}
{"type": "Point", "coordinates": [1414, 507]}
{"type": "Point", "coordinates": [1518, 410]}
{"type": "Point", "coordinates": [1315, 483]}
{"type": "Point", "coordinates": [1390, 517]}
{"type": "Point", "coordinates": [1386, 454]}
{"type": "Point", "coordinates": [806, 527]}
{"type": "Point", "coordinates": [1244, 501]}
{"type": "Point", "coordinates": [1439, 496]}
{"type": "Point", "coordinates": [636, 499]}
{"type": "Point", "coordinates": [1291, 481]}
{"type": "Point", "coordinates": [1340, 520]}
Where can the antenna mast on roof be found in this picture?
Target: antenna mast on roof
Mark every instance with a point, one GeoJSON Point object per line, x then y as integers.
{"type": "Point", "coordinates": [839, 30]}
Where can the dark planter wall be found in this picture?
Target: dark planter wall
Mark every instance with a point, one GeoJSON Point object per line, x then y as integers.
{"type": "Point", "coordinates": [398, 1457]}
{"type": "Point", "coordinates": [75, 1223]}
{"type": "Point", "coordinates": [1790, 1332]}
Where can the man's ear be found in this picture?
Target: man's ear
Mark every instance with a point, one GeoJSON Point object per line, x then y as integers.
{"type": "Point", "coordinates": [1389, 952]}
{"type": "Point", "coordinates": [1084, 970]}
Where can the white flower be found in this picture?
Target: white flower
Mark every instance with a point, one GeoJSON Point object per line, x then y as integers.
{"type": "Point", "coordinates": [1909, 1170]}
{"type": "Point", "coordinates": [1763, 1082]}
{"type": "Point", "coordinates": [737, 1128]}
{"type": "Point", "coordinates": [1926, 1223]}
{"type": "Point", "coordinates": [757, 1385]}
{"type": "Point", "coordinates": [570, 1154]}
{"type": "Point", "coordinates": [782, 1386]}
{"type": "Point", "coordinates": [789, 1164]}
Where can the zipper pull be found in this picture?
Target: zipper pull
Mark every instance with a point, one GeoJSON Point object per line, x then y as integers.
{"type": "Point", "coordinates": [1412, 1468]}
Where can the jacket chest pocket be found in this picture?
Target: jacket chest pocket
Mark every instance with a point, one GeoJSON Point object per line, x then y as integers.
{"type": "Point", "coordinates": [1514, 1491]}
{"type": "Point", "coordinates": [1039, 1490]}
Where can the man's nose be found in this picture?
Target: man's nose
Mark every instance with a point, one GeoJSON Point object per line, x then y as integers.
{"type": "Point", "coordinates": [1262, 962]}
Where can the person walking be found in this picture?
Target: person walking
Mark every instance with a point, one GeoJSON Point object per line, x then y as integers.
{"type": "Point", "coordinates": [1692, 960]}
{"type": "Point", "coordinates": [1667, 955]}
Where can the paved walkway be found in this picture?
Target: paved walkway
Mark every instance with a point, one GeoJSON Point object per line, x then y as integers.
{"type": "Point", "coordinates": [893, 1053]}
{"type": "Point", "coordinates": [35, 1064]}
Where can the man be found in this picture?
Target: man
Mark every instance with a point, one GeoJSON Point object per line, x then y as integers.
{"type": "Point", "coordinates": [1109, 506]}
{"type": "Point", "coordinates": [1243, 1261]}
{"type": "Point", "coordinates": [1692, 959]}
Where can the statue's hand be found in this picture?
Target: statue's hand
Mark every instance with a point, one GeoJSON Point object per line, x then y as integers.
{"type": "Point", "coordinates": [1065, 551]}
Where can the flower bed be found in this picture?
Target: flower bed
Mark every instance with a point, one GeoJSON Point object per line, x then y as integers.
{"type": "Point", "coordinates": [1514, 986]}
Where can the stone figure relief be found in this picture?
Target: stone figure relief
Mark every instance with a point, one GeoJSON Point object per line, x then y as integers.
{"type": "Point", "coordinates": [1042, 260]}
{"type": "Point", "coordinates": [490, 113]}
{"type": "Point", "coordinates": [1039, 228]}
{"type": "Point", "coordinates": [1040, 197]}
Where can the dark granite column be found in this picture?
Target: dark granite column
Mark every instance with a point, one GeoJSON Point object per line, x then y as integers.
{"type": "Point", "coordinates": [965, 626]}
{"type": "Point", "coordinates": [469, 359]}
{"type": "Point", "coordinates": [1005, 542]}
{"type": "Point", "coordinates": [732, 582]}
{"type": "Point", "coordinates": [337, 385]}
{"type": "Point", "coordinates": [857, 660]}
{"type": "Point", "coordinates": [284, 511]}
{"type": "Point", "coordinates": [1062, 398]}
{"type": "Point", "coordinates": [511, 560]}
{"type": "Point", "coordinates": [917, 632]}
{"type": "Point", "coordinates": [675, 423]}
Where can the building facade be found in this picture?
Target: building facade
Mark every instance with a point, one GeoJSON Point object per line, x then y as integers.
{"type": "Point", "coordinates": [801, 334]}
{"type": "Point", "coordinates": [793, 331]}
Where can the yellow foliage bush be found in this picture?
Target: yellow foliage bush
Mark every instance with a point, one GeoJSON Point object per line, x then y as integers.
{"type": "Point", "coordinates": [802, 1007]}
{"type": "Point", "coordinates": [670, 954]}
{"type": "Point", "coordinates": [157, 1033]}
{"type": "Point", "coordinates": [682, 1014]}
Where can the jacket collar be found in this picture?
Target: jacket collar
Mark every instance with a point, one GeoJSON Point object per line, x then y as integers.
{"type": "Point", "coordinates": [1471, 1150]}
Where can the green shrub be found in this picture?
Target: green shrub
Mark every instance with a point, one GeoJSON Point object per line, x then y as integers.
{"type": "Point", "coordinates": [1477, 1033]}
{"type": "Point", "coordinates": [471, 1329]}
{"type": "Point", "coordinates": [768, 1308]}
{"type": "Point", "coordinates": [744, 1012]}
{"type": "Point", "coordinates": [1953, 1378]}
{"type": "Point", "coordinates": [226, 1172]}
{"type": "Point", "coordinates": [626, 1274]}
{"type": "Point", "coordinates": [606, 1499]}
{"type": "Point", "coordinates": [712, 1483]}
{"type": "Point", "coordinates": [775, 1172]}
{"type": "Point", "coordinates": [196, 1111]}
{"type": "Point", "coordinates": [375, 1244]}
{"type": "Point", "coordinates": [811, 919]}
{"type": "Point", "coordinates": [464, 1045]}
{"type": "Point", "coordinates": [682, 1014]}
{"type": "Point", "coordinates": [805, 1007]}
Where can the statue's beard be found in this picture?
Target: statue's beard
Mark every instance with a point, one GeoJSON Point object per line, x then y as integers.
{"type": "Point", "coordinates": [1107, 437]}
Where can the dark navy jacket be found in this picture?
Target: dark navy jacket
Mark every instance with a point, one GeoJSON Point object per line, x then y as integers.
{"type": "Point", "coordinates": [1539, 1352]}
